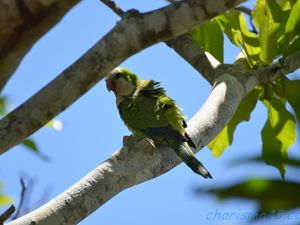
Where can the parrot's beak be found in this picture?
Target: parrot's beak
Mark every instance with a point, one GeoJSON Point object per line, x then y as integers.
{"type": "Point", "coordinates": [110, 85]}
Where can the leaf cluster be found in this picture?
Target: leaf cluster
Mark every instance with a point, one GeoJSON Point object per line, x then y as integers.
{"type": "Point", "coordinates": [275, 35]}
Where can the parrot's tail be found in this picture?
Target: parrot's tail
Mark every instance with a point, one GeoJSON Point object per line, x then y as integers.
{"type": "Point", "coordinates": [187, 155]}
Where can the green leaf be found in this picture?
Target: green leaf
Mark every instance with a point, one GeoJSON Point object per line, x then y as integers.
{"type": "Point", "coordinates": [286, 4]}
{"type": "Point", "coordinates": [293, 45]}
{"type": "Point", "coordinates": [269, 194]}
{"type": "Point", "coordinates": [291, 162]}
{"type": "Point", "coordinates": [2, 106]}
{"type": "Point", "coordinates": [292, 40]}
{"type": "Point", "coordinates": [209, 36]}
{"type": "Point", "coordinates": [4, 199]}
{"type": "Point", "coordinates": [31, 145]}
{"type": "Point", "coordinates": [292, 90]}
{"type": "Point", "coordinates": [55, 124]}
{"type": "Point", "coordinates": [288, 38]}
{"type": "Point", "coordinates": [267, 17]}
{"type": "Point", "coordinates": [278, 134]}
{"type": "Point", "coordinates": [234, 25]}
{"type": "Point", "coordinates": [225, 137]}
{"type": "Point", "coordinates": [294, 18]}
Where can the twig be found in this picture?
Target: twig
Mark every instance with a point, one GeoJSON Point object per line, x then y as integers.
{"type": "Point", "coordinates": [7, 213]}
{"type": "Point", "coordinates": [112, 5]}
{"type": "Point", "coordinates": [22, 197]}
{"type": "Point", "coordinates": [244, 9]}
{"type": "Point", "coordinates": [248, 11]}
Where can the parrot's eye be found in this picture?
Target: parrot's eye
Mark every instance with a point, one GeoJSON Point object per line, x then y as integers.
{"type": "Point", "coordinates": [118, 75]}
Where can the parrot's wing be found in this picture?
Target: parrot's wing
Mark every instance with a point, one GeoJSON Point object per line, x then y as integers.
{"type": "Point", "coordinates": [166, 132]}
{"type": "Point", "coordinates": [152, 90]}
{"type": "Point", "coordinates": [172, 115]}
{"type": "Point", "coordinates": [176, 120]}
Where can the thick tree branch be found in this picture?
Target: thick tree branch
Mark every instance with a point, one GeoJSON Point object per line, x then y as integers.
{"type": "Point", "coordinates": [137, 161]}
{"type": "Point", "coordinates": [195, 56]}
{"type": "Point", "coordinates": [132, 34]}
{"type": "Point", "coordinates": [22, 23]}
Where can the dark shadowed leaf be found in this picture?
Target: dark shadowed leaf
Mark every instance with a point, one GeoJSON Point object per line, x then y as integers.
{"type": "Point", "coordinates": [295, 163]}
{"type": "Point", "coordinates": [292, 90]}
{"type": "Point", "coordinates": [269, 194]}
{"type": "Point", "coordinates": [2, 106]}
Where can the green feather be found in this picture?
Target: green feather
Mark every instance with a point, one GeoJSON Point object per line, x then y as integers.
{"type": "Point", "coordinates": [187, 155]}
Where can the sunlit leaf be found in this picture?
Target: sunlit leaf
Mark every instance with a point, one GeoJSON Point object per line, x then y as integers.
{"type": "Point", "coordinates": [294, 18]}
{"type": "Point", "coordinates": [55, 124]}
{"type": "Point", "coordinates": [289, 31]}
{"type": "Point", "coordinates": [4, 199]}
{"type": "Point", "coordinates": [234, 25]}
{"type": "Point", "coordinates": [210, 37]}
{"type": "Point", "coordinates": [278, 133]}
{"type": "Point", "coordinates": [225, 137]}
{"type": "Point", "coordinates": [267, 17]}
{"type": "Point", "coordinates": [286, 4]}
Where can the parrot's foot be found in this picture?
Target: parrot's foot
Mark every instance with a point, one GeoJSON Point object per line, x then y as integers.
{"type": "Point", "coordinates": [151, 142]}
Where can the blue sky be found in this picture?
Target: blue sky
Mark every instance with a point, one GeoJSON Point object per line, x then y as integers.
{"type": "Point", "coordinates": [93, 130]}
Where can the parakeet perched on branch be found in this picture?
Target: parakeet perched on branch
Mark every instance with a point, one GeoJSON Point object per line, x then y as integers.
{"type": "Point", "coordinates": [149, 113]}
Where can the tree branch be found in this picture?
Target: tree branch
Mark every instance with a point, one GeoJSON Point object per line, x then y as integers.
{"type": "Point", "coordinates": [112, 5]}
{"type": "Point", "coordinates": [244, 9]}
{"type": "Point", "coordinates": [6, 214]}
{"type": "Point", "coordinates": [132, 34]}
{"type": "Point", "coordinates": [137, 161]}
{"type": "Point", "coordinates": [22, 23]}
{"type": "Point", "coordinates": [22, 198]}
{"type": "Point", "coordinates": [195, 56]}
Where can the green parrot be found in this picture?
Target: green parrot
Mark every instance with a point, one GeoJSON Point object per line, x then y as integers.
{"type": "Point", "coordinates": [149, 113]}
